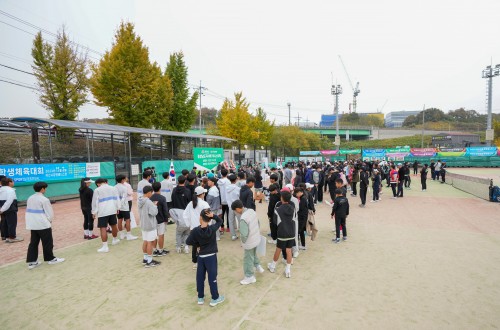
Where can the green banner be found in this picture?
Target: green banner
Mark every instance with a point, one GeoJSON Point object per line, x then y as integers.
{"type": "Point", "coordinates": [350, 152]}
{"type": "Point", "coordinates": [207, 159]}
{"type": "Point", "coordinates": [398, 150]}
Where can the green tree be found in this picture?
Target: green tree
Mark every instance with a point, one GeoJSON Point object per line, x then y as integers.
{"type": "Point", "coordinates": [62, 76]}
{"type": "Point", "coordinates": [208, 116]}
{"type": "Point", "coordinates": [233, 120]}
{"type": "Point", "coordinates": [126, 82]}
{"type": "Point", "coordinates": [163, 102]}
{"type": "Point", "coordinates": [261, 129]}
{"type": "Point", "coordinates": [183, 113]}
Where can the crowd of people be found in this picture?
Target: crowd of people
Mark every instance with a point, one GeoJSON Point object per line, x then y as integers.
{"type": "Point", "coordinates": [216, 203]}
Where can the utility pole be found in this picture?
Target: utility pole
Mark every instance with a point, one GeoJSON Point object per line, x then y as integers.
{"type": "Point", "coordinates": [489, 73]}
{"type": "Point", "coordinates": [289, 114]}
{"type": "Point", "coordinates": [201, 93]}
{"type": "Point", "coordinates": [423, 125]}
{"type": "Point", "coordinates": [298, 120]}
{"type": "Point", "coordinates": [337, 90]}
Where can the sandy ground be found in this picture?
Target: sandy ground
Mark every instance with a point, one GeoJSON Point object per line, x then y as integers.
{"type": "Point", "coordinates": [428, 261]}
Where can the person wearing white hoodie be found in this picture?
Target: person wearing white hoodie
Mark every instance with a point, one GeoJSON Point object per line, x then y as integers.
{"type": "Point", "coordinates": [124, 211]}
{"type": "Point", "coordinates": [250, 239]}
{"type": "Point", "coordinates": [39, 215]}
{"type": "Point", "coordinates": [223, 183]}
{"type": "Point", "coordinates": [232, 194]}
{"type": "Point", "coordinates": [191, 216]}
{"type": "Point", "coordinates": [105, 205]}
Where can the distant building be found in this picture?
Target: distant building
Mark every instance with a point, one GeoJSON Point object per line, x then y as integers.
{"type": "Point", "coordinates": [455, 140]}
{"type": "Point", "coordinates": [397, 118]}
{"type": "Point", "coordinates": [328, 120]}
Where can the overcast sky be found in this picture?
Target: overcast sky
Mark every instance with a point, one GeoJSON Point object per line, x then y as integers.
{"type": "Point", "coordinates": [409, 53]}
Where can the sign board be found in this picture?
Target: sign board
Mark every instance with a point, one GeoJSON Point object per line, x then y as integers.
{"type": "Point", "coordinates": [207, 159]}
{"type": "Point", "coordinates": [135, 169]}
{"type": "Point", "coordinates": [50, 172]}
{"type": "Point", "coordinates": [490, 134]}
{"type": "Point", "coordinates": [337, 140]}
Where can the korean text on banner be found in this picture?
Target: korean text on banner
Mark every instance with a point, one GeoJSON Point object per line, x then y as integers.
{"type": "Point", "coordinates": [207, 159]}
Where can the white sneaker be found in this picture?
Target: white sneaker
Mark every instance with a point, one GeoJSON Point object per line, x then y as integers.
{"type": "Point", "coordinates": [295, 254]}
{"type": "Point", "coordinates": [248, 280]}
{"type": "Point", "coordinates": [178, 250]}
{"type": "Point", "coordinates": [234, 238]}
{"type": "Point", "coordinates": [32, 265]}
{"type": "Point", "coordinates": [284, 261]}
{"type": "Point", "coordinates": [288, 274]}
{"type": "Point", "coordinates": [122, 235]}
{"type": "Point", "coordinates": [328, 203]}
{"type": "Point", "coordinates": [131, 237]}
{"type": "Point", "coordinates": [372, 201]}
{"type": "Point", "coordinates": [103, 249]}
{"type": "Point", "coordinates": [115, 241]}
{"type": "Point", "coordinates": [271, 241]}
{"type": "Point", "coordinates": [302, 248]}
{"type": "Point", "coordinates": [186, 249]}
{"type": "Point", "coordinates": [271, 268]}
{"type": "Point", "coordinates": [195, 266]}
{"type": "Point", "coordinates": [259, 269]}
{"type": "Point", "coordinates": [55, 261]}
{"type": "Point", "coordinates": [217, 238]}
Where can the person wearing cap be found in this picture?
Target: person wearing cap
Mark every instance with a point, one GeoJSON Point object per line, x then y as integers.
{"type": "Point", "coordinates": [214, 199]}
{"type": "Point", "coordinates": [191, 215]}
{"type": "Point", "coordinates": [105, 206]}
{"type": "Point", "coordinates": [86, 194]}
{"type": "Point", "coordinates": [376, 182]}
{"type": "Point", "coordinates": [232, 194]}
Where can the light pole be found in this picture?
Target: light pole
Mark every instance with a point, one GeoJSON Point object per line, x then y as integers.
{"type": "Point", "coordinates": [489, 73]}
{"type": "Point", "coordinates": [289, 114]}
{"type": "Point", "coordinates": [337, 90]}
{"type": "Point", "coordinates": [423, 125]}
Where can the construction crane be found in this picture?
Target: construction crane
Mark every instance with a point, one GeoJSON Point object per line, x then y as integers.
{"type": "Point", "coordinates": [354, 90]}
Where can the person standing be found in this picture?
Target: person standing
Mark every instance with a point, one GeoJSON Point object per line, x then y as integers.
{"type": "Point", "coordinates": [377, 181]}
{"type": "Point", "coordinates": [442, 171]}
{"type": "Point", "coordinates": [213, 198]}
{"type": "Point", "coordinates": [432, 167]}
{"type": "Point", "coordinates": [394, 181]}
{"type": "Point", "coordinates": [161, 220]}
{"type": "Point", "coordinates": [287, 174]}
{"type": "Point", "coordinates": [354, 181]}
{"type": "Point", "coordinates": [105, 206]}
{"type": "Point", "coordinates": [437, 169]}
{"type": "Point", "coordinates": [8, 209]}
{"type": "Point", "coordinates": [232, 194]}
{"type": "Point", "coordinates": [274, 198]}
{"type": "Point", "coordinates": [246, 194]}
{"type": "Point", "coordinates": [86, 194]}
{"type": "Point", "coordinates": [401, 179]}
{"type": "Point", "coordinates": [222, 184]}
{"type": "Point", "coordinates": [192, 216]}
{"type": "Point", "coordinates": [250, 239]}
{"type": "Point", "coordinates": [148, 211]}
{"type": "Point", "coordinates": [415, 168]}
{"type": "Point", "coordinates": [363, 186]}
{"type": "Point", "coordinates": [340, 211]}
{"type": "Point", "coordinates": [39, 216]}
{"type": "Point", "coordinates": [124, 211]}
{"type": "Point", "coordinates": [146, 177]}
{"type": "Point", "coordinates": [166, 189]}
{"type": "Point", "coordinates": [423, 177]}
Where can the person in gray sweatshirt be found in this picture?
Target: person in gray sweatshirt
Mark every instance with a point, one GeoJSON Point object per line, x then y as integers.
{"type": "Point", "coordinates": [214, 200]}
{"type": "Point", "coordinates": [148, 211]}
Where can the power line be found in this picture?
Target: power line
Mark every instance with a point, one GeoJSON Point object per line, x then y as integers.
{"type": "Point", "coordinates": [9, 67]}
{"type": "Point", "coordinates": [13, 57]}
{"type": "Point", "coordinates": [13, 83]}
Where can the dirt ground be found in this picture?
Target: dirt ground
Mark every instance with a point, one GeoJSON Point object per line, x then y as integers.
{"type": "Point", "coordinates": [427, 261]}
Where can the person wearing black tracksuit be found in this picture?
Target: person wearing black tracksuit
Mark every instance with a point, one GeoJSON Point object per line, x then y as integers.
{"type": "Point", "coordinates": [363, 185]}
{"type": "Point", "coordinates": [401, 180]}
{"type": "Point", "coordinates": [423, 177]}
{"type": "Point", "coordinates": [274, 198]}
{"type": "Point", "coordinates": [320, 186]}
{"type": "Point", "coordinates": [340, 211]}
{"type": "Point", "coordinates": [302, 216]}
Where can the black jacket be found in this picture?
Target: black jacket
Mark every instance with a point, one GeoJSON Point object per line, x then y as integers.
{"type": "Point", "coordinates": [303, 209]}
{"type": "Point", "coordinates": [181, 196]}
{"type": "Point", "coordinates": [162, 215]}
{"type": "Point", "coordinates": [86, 198]}
{"type": "Point", "coordinates": [283, 218]}
{"type": "Point", "coordinates": [205, 238]}
{"type": "Point", "coordinates": [340, 207]}
{"type": "Point", "coordinates": [310, 202]}
{"type": "Point", "coordinates": [273, 199]}
{"type": "Point", "coordinates": [401, 173]}
{"type": "Point", "coordinates": [363, 179]}
{"type": "Point", "coordinates": [246, 197]}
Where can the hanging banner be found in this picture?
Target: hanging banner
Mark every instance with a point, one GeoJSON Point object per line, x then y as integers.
{"type": "Point", "coordinates": [207, 159]}
{"type": "Point", "coordinates": [451, 152]}
{"type": "Point", "coordinates": [310, 153]}
{"type": "Point", "coordinates": [373, 153]}
{"type": "Point", "coordinates": [397, 151]}
{"type": "Point", "coordinates": [350, 151]}
{"type": "Point", "coordinates": [482, 151]}
{"type": "Point", "coordinates": [423, 152]}
{"type": "Point", "coordinates": [498, 152]}
{"type": "Point", "coordinates": [329, 152]}
{"type": "Point", "coordinates": [396, 156]}
{"type": "Point", "coordinates": [50, 172]}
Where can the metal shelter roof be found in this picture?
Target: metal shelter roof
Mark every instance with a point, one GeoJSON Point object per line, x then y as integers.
{"type": "Point", "coordinates": [115, 128]}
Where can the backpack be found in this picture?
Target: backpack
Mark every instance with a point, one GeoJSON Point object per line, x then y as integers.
{"type": "Point", "coordinates": [316, 177]}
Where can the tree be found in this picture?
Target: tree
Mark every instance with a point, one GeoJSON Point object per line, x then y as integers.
{"type": "Point", "coordinates": [233, 120]}
{"type": "Point", "coordinates": [183, 113]}
{"type": "Point", "coordinates": [261, 129]}
{"type": "Point", "coordinates": [431, 115]}
{"type": "Point", "coordinates": [163, 101]}
{"type": "Point", "coordinates": [61, 72]}
{"type": "Point", "coordinates": [127, 83]}
{"type": "Point", "coordinates": [208, 116]}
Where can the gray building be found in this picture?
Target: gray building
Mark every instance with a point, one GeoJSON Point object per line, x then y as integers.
{"type": "Point", "coordinates": [396, 118]}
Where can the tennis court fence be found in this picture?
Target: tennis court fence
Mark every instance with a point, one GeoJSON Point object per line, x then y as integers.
{"type": "Point", "coordinates": [478, 187]}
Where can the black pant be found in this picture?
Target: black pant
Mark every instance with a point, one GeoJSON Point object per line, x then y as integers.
{"type": "Point", "coordinates": [400, 189]}
{"type": "Point", "coordinates": [332, 195]}
{"type": "Point", "coordinates": [274, 229]}
{"type": "Point", "coordinates": [415, 170]}
{"type": "Point", "coordinates": [354, 187]}
{"type": "Point", "coordinates": [393, 187]}
{"type": "Point", "coordinates": [9, 224]}
{"type": "Point", "coordinates": [362, 194]}
{"type": "Point", "coordinates": [407, 181]}
{"type": "Point", "coordinates": [88, 220]}
{"type": "Point", "coordinates": [433, 174]}
{"type": "Point", "coordinates": [207, 266]}
{"type": "Point", "coordinates": [194, 254]}
{"type": "Point", "coordinates": [437, 174]}
{"type": "Point", "coordinates": [45, 235]}
{"type": "Point", "coordinates": [225, 213]}
{"type": "Point", "coordinates": [340, 221]}
{"type": "Point", "coordinates": [376, 191]}
{"type": "Point", "coordinates": [388, 180]}
{"type": "Point", "coordinates": [424, 183]}
{"type": "Point", "coordinates": [302, 229]}
{"type": "Point", "coordinates": [320, 193]}
{"type": "Point", "coordinates": [314, 191]}
{"type": "Point", "coordinates": [443, 176]}
{"type": "Point", "coordinates": [3, 233]}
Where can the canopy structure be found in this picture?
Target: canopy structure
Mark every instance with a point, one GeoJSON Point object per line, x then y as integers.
{"type": "Point", "coordinates": [116, 128]}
